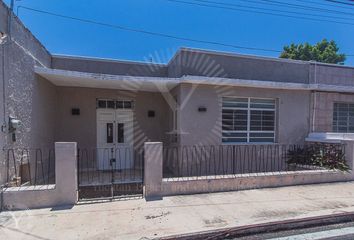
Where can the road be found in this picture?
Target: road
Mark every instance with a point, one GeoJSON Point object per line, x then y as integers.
{"type": "Point", "coordinates": [344, 231]}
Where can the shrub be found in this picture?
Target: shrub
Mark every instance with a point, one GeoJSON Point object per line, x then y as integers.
{"type": "Point", "coordinates": [330, 156]}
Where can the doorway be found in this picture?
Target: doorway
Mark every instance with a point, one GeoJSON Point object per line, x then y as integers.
{"type": "Point", "coordinates": [115, 136]}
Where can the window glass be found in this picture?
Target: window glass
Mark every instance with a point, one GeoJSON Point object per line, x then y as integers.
{"type": "Point", "coordinates": [120, 133]}
{"type": "Point", "coordinates": [343, 117]}
{"type": "Point", "coordinates": [101, 104]}
{"type": "Point", "coordinates": [109, 132]}
{"type": "Point", "coordinates": [235, 102]}
{"type": "Point", "coordinates": [113, 104]}
{"type": "Point", "coordinates": [119, 104]}
{"type": "Point", "coordinates": [248, 120]}
{"type": "Point", "coordinates": [110, 104]}
{"type": "Point", "coordinates": [127, 104]}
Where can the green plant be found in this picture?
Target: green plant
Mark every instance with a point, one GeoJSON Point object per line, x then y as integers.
{"type": "Point", "coordinates": [330, 156]}
{"type": "Point", "coordinates": [324, 51]}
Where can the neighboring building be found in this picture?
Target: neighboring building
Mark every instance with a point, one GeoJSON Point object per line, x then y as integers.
{"type": "Point", "coordinates": [199, 98]}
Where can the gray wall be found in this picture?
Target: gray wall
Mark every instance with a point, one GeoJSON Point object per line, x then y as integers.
{"type": "Point", "coordinates": [204, 63]}
{"type": "Point", "coordinates": [28, 98]}
{"type": "Point", "coordinates": [332, 74]}
{"type": "Point", "coordinates": [82, 128]}
{"type": "Point", "coordinates": [109, 66]}
{"type": "Point", "coordinates": [293, 113]}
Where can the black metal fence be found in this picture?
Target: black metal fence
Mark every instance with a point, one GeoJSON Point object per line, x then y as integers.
{"type": "Point", "coordinates": [29, 166]}
{"type": "Point", "coordinates": [109, 172]}
{"type": "Point", "coordinates": [197, 161]}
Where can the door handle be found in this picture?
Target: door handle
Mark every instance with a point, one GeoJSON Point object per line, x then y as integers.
{"type": "Point", "coordinates": [111, 161]}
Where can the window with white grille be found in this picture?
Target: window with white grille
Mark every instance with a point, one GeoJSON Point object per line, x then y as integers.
{"type": "Point", "coordinates": [343, 117]}
{"type": "Point", "coordinates": [247, 120]}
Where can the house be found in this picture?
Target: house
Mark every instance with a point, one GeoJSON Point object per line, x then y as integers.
{"type": "Point", "coordinates": [200, 97]}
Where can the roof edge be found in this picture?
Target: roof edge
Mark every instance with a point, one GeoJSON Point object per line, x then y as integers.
{"type": "Point", "coordinates": [18, 20]}
{"type": "Point", "coordinates": [78, 57]}
{"type": "Point", "coordinates": [250, 56]}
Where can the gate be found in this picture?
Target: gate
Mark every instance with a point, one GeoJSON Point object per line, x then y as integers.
{"type": "Point", "coordinates": [110, 173]}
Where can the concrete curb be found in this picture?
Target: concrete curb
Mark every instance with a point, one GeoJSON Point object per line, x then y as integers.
{"type": "Point", "coordinates": [252, 229]}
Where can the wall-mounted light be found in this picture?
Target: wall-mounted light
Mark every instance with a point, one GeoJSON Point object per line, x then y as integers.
{"type": "Point", "coordinates": [75, 111]}
{"type": "Point", "coordinates": [151, 113]}
{"type": "Point", "coordinates": [3, 38]}
{"type": "Point", "coordinates": [202, 109]}
{"type": "Point", "coordinates": [13, 125]}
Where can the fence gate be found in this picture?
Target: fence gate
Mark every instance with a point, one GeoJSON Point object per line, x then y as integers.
{"type": "Point", "coordinates": [110, 173]}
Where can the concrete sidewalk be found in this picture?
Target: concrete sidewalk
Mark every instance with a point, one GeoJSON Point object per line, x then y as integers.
{"type": "Point", "coordinates": [138, 219]}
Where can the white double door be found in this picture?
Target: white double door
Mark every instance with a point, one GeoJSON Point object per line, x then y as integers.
{"type": "Point", "coordinates": [115, 139]}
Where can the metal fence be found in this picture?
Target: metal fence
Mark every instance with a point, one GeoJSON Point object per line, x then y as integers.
{"type": "Point", "coordinates": [110, 172]}
{"type": "Point", "coordinates": [198, 161]}
{"type": "Point", "coordinates": [29, 166]}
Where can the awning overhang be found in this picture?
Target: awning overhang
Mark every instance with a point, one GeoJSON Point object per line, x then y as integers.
{"type": "Point", "coordinates": [164, 84]}
{"type": "Point", "coordinates": [95, 80]}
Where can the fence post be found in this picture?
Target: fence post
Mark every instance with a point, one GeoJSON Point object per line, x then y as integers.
{"type": "Point", "coordinates": [66, 172]}
{"type": "Point", "coordinates": [349, 152]}
{"type": "Point", "coordinates": [152, 170]}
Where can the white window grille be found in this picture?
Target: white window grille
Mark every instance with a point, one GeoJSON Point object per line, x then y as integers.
{"type": "Point", "coordinates": [248, 120]}
{"type": "Point", "coordinates": [343, 117]}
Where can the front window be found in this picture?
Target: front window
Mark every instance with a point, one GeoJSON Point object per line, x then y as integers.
{"type": "Point", "coordinates": [343, 117]}
{"type": "Point", "coordinates": [247, 120]}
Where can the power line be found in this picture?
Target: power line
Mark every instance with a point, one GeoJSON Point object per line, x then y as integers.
{"type": "Point", "coordinates": [322, 4]}
{"type": "Point", "coordinates": [269, 9]}
{"type": "Point", "coordinates": [124, 28]}
{"type": "Point", "coordinates": [300, 6]}
{"type": "Point", "coordinates": [339, 2]}
{"type": "Point", "coordinates": [260, 12]}
{"type": "Point", "coordinates": [296, 6]}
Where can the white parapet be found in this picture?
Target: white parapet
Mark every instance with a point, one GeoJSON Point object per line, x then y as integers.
{"type": "Point", "coordinates": [330, 137]}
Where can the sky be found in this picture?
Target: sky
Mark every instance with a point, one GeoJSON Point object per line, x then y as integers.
{"type": "Point", "coordinates": [218, 24]}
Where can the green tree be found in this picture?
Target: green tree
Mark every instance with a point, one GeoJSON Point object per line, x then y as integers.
{"type": "Point", "coordinates": [323, 51]}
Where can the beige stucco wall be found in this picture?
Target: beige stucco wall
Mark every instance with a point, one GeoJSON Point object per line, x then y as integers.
{"type": "Point", "coordinates": [323, 109]}
{"type": "Point", "coordinates": [251, 181]}
{"type": "Point", "coordinates": [82, 128]}
{"type": "Point", "coordinates": [64, 192]}
{"type": "Point", "coordinates": [293, 113]}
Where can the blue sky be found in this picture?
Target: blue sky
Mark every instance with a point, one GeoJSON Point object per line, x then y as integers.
{"type": "Point", "coordinates": [63, 36]}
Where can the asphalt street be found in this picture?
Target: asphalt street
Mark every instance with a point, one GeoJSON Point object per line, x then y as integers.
{"type": "Point", "coordinates": [343, 231]}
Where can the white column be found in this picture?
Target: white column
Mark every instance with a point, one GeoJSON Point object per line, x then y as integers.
{"type": "Point", "coordinates": [66, 172]}
{"type": "Point", "coordinates": [152, 170]}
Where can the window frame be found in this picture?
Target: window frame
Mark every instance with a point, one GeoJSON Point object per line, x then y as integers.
{"type": "Point", "coordinates": [123, 101]}
{"type": "Point", "coordinates": [249, 109]}
{"type": "Point", "coordinates": [335, 127]}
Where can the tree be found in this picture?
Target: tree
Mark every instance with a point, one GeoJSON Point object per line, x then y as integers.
{"type": "Point", "coordinates": [323, 51]}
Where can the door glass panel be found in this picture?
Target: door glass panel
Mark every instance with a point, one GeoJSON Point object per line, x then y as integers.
{"type": "Point", "coordinates": [120, 132]}
{"type": "Point", "coordinates": [109, 132]}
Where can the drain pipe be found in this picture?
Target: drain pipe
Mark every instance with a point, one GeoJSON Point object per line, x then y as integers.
{"type": "Point", "coordinates": [3, 126]}
{"type": "Point", "coordinates": [5, 40]}
{"type": "Point", "coordinates": [314, 99]}
{"type": "Point", "coordinates": [2, 187]}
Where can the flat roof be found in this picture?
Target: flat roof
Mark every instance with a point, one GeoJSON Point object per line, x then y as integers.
{"type": "Point", "coordinates": [199, 51]}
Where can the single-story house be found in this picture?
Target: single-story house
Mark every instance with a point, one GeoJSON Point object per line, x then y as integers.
{"type": "Point", "coordinates": [199, 97]}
